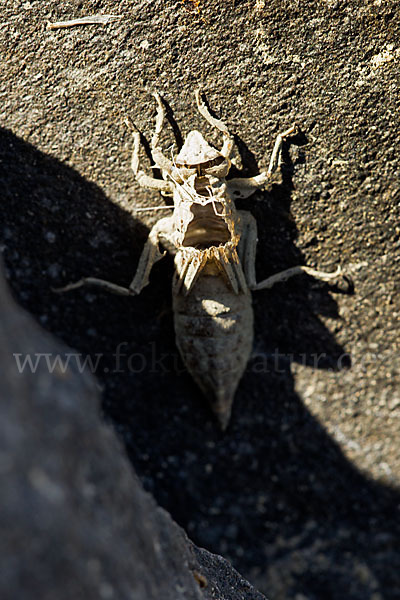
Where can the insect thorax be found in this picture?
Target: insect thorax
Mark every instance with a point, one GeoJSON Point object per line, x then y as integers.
{"type": "Point", "coordinates": [204, 214]}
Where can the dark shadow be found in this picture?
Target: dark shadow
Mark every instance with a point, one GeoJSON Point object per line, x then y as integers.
{"type": "Point", "coordinates": [274, 494]}
{"type": "Point", "coordinates": [169, 115]}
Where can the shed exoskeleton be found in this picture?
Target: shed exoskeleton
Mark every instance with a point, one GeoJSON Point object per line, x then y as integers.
{"type": "Point", "coordinates": [214, 247]}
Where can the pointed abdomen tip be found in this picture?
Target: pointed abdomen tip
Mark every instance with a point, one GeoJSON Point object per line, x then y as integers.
{"type": "Point", "coordinates": [223, 419]}
{"type": "Point", "coordinates": [221, 405]}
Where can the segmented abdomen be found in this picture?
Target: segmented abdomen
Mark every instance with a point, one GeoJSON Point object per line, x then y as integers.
{"type": "Point", "coordinates": [214, 334]}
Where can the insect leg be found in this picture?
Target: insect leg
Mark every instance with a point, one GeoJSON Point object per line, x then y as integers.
{"type": "Point", "coordinates": [243, 187]}
{"type": "Point", "coordinates": [227, 147]}
{"type": "Point", "coordinates": [160, 160]}
{"type": "Point", "coordinates": [247, 246]}
{"type": "Point", "coordinates": [150, 255]}
{"type": "Point", "coordinates": [229, 141]}
{"type": "Point", "coordinates": [247, 256]}
{"type": "Point", "coordinates": [93, 281]}
{"type": "Point", "coordinates": [276, 156]}
{"type": "Point", "coordinates": [298, 270]}
{"type": "Point", "coordinates": [141, 177]}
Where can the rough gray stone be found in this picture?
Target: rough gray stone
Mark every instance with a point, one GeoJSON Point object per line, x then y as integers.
{"type": "Point", "coordinates": [74, 520]}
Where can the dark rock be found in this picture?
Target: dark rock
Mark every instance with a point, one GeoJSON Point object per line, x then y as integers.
{"type": "Point", "coordinates": [75, 521]}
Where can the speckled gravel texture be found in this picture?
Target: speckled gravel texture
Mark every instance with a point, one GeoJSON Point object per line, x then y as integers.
{"type": "Point", "coordinates": [301, 493]}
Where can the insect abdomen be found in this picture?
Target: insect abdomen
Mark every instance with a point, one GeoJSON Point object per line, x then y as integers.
{"type": "Point", "coordinates": [214, 334]}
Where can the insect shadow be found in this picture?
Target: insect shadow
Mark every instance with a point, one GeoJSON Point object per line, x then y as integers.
{"type": "Point", "coordinates": [275, 494]}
